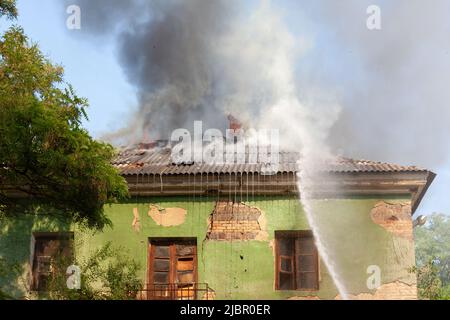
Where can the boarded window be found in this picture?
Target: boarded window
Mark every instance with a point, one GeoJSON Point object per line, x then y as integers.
{"type": "Point", "coordinates": [50, 253]}
{"type": "Point", "coordinates": [172, 266]}
{"type": "Point", "coordinates": [297, 265]}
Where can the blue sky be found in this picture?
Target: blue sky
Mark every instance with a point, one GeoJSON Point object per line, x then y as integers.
{"type": "Point", "coordinates": [92, 68]}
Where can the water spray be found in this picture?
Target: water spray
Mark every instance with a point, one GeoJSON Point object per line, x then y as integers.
{"type": "Point", "coordinates": [304, 184]}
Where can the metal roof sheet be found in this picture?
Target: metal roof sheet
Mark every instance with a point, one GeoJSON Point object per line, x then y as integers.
{"type": "Point", "coordinates": [158, 161]}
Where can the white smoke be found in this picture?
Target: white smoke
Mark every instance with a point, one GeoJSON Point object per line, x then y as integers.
{"type": "Point", "coordinates": [258, 60]}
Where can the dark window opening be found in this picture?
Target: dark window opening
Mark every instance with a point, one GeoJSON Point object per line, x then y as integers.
{"type": "Point", "coordinates": [51, 251]}
{"type": "Point", "coordinates": [297, 263]}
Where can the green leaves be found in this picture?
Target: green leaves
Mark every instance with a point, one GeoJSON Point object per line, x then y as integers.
{"type": "Point", "coordinates": [8, 8]}
{"type": "Point", "coordinates": [7, 269]}
{"type": "Point", "coordinates": [46, 157]}
{"type": "Point", "coordinates": [433, 257]}
{"type": "Point", "coordinates": [107, 274]}
{"type": "Point", "coordinates": [429, 285]}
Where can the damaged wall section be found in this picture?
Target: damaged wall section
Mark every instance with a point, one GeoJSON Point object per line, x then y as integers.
{"type": "Point", "coordinates": [235, 221]}
{"type": "Point", "coordinates": [396, 290]}
{"type": "Point", "coordinates": [394, 217]}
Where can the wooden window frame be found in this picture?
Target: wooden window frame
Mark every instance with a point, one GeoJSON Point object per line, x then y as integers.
{"type": "Point", "coordinates": [295, 235]}
{"type": "Point", "coordinates": [35, 236]}
{"type": "Point", "coordinates": [172, 242]}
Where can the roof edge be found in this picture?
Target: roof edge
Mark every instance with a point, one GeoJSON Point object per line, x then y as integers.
{"type": "Point", "coordinates": [421, 193]}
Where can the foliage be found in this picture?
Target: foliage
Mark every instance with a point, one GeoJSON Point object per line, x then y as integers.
{"type": "Point", "coordinates": [8, 8]}
{"type": "Point", "coordinates": [108, 274]}
{"type": "Point", "coordinates": [433, 257]}
{"type": "Point", "coordinates": [3, 270]}
{"type": "Point", "coordinates": [428, 283]}
{"type": "Point", "coordinates": [433, 243]}
{"type": "Point", "coordinates": [45, 153]}
{"type": "Point", "coordinates": [6, 269]}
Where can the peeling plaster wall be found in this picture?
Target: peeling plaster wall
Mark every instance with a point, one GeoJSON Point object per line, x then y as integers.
{"type": "Point", "coordinates": [245, 269]}
{"type": "Point", "coordinates": [394, 217]}
{"type": "Point", "coordinates": [167, 217]}
{"type": "Point", "coordinates": [396, 290]}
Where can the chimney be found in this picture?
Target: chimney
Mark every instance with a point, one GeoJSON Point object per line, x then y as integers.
{"type": "Point", "coordinates": [234, 123]}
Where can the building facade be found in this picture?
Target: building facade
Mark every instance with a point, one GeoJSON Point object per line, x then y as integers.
{"type": "Point", "coordinates": [233, 232]}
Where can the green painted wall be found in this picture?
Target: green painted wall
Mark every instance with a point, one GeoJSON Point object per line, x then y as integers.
{"type": "Point", "coordinates": [238, 269]}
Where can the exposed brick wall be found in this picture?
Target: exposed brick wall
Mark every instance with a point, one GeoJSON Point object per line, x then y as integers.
{"type": "Point", "coordinates": [394, 217]}
{"type": "Point", "coordinates": [234, 221]}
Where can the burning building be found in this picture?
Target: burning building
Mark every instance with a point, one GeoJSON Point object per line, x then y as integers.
{"type": "Point", "coordinates": [228, 231]}
{"type": "Point", "coordinates": [203, 230]}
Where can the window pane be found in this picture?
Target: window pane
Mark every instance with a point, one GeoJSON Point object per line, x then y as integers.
{"type": "Point", "coordinates": [286, 264]}
{"type": "Point", "coordinates": [304, 245]}
{"type": "Point", "coordinates": [66, 249]}
{"type": "Point", "coordinates": [42, 282]}
{"type": "Point", "coordinates": [160, 277]}
{"type": "Point", "coordinates": [285, 281]}
{"type": "Point", "coordinates": [185, 250]}
{"type": "Point", "coordinates": [186, 277]}
{"type": "Point", "coordinates": [162, 251]}
{"type": "Point", "coordinates": [185, 264]}
{"type": "Point", "coordinates": [307, 280]}
{"type": "Point", "coordinates": [306, 263]}
{"type": "Point", "coordinates": [44, 264]}
{"type": "Point", "coordinates": [50, 248]}
{"type": "Point", "coordinates": [286, 247]}
{"type": "Point", "coordinates": [161, 265]}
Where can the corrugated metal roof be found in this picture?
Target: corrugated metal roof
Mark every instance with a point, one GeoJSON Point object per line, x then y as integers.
{"type": "Point", "coordinates": [159, 161]}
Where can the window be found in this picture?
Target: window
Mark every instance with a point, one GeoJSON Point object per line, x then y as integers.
{"type": "Point", "coordinates": [172, 268]}
{"type": "Point", "coordinates": [297, 263]}
{"type": "Point", "coordinates": [49, 250]}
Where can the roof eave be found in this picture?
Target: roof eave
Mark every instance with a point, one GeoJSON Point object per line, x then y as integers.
{"type": "Point", "coordinates": [413, 184]}
{"type": "Point", "coordinates": [417, 198]}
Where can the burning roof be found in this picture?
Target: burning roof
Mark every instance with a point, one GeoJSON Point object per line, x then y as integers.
{"type": "Point", "coordinates": [356, 177]}
{"type": "Point", "coordinates": [158, 161]}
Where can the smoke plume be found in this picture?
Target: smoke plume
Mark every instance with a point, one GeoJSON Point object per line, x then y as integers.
{"type": "Point", "coordinates": [372, 94]}
{"type": "Point", "coordinates": [392, 81]}
{"type": "Point", "coordinates": [201, 60]}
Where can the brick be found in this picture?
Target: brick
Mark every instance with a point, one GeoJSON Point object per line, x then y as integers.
{"type": "Point", "coordinates": [394, 217]}
{"type": "Point", "coordinates": [234, 222]}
